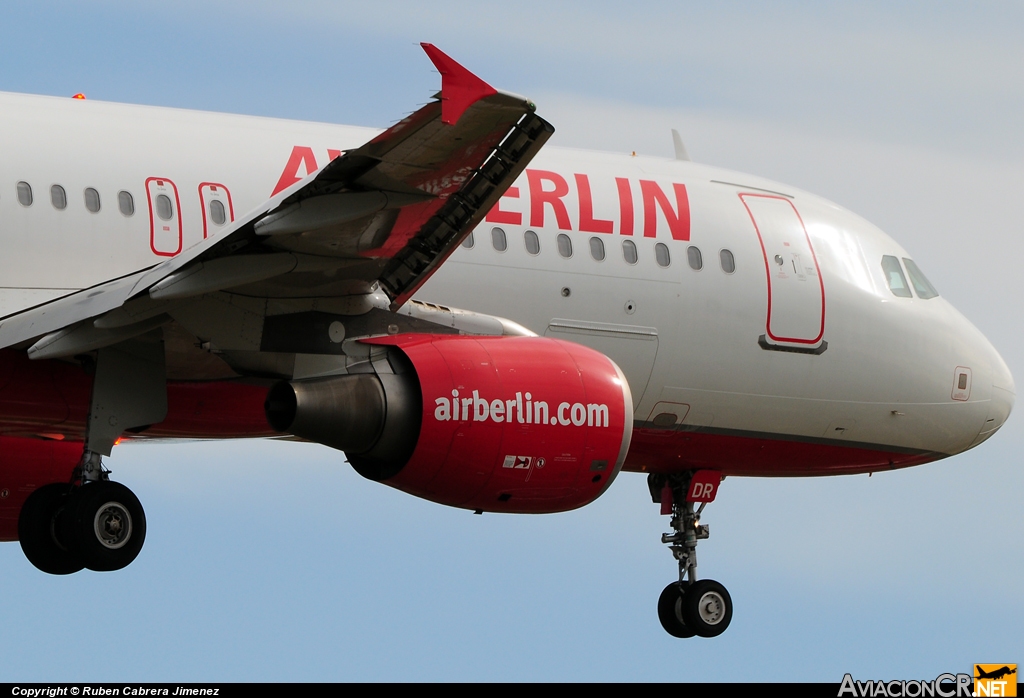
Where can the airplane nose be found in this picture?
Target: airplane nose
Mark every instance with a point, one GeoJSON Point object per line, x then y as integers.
{"type": "Point", "coordinates": [988, 398]}
{"type": "Point", "coordinates": [1003, 395]}
{"type": "Point", "coordinates": [996, 374]}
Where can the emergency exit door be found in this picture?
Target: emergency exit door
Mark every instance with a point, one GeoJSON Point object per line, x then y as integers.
{"type": "Point", "coordinates": [218, 211]}
{"type": "Point", "coordinates": [164, 216]}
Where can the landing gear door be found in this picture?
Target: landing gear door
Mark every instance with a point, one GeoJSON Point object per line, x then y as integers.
{"type": "Point", "coordinates": [164, 217]}
{"type": "Point", "coordinates": [218, 210]}
{"type": "Point", "coordinates": [796, 292]}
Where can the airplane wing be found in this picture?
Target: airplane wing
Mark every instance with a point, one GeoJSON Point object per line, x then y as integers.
{"type": "Point", "coordinates": [379, 219]}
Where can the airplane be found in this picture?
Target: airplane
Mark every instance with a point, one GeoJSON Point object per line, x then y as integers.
{"type": "Point", "coordinates": [470, 317]}
{"type": "Point", "coordinates": [995, 673]}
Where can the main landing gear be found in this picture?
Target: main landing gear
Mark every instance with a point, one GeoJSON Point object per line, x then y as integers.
{"type": "Point", "coordinates": [96, 524]}
{"type": "Point", "coordinates": [91, 522]}
{"type": "Point", "coordinates": [689, 606]}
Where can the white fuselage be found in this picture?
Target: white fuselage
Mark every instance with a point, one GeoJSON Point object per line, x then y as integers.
{"type": "Point", "coordinates": [697, 341]}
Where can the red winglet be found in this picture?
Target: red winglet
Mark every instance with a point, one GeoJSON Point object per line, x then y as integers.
{"type": "Point", "coordinates": [459, 87]}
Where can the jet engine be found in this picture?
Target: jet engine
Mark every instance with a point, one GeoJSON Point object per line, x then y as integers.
{"type": "Point", "coordinates": [506, 424]}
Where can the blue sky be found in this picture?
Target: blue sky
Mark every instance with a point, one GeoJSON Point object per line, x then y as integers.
{"type": "Point", "coordinates": [274, 561]}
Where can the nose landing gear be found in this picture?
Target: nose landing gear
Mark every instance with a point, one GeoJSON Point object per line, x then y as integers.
{"type": "Point", "coordinates": [689, 606]}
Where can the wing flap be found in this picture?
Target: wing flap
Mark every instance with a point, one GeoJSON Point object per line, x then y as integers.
{"type": "Point", "coordinates": [432, 239]}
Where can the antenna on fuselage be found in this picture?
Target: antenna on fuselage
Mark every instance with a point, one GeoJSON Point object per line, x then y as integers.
{"type": "Point", "coordinates": [677, 141]}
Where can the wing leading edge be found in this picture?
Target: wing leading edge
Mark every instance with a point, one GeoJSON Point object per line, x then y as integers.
{"type": "Point", "coordinates": [378, 219]}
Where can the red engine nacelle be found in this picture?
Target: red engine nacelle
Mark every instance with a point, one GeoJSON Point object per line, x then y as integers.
{"type": "Point", "coordinates": [512, 424]}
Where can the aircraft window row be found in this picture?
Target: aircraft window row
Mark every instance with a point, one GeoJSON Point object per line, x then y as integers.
{"type": "Point", "coordinates": [898, 282]}
{"type": "Point", "coordinates": [563, 243]}
{"type": "Point", "coordinates": [163, 205]}
{"type": "Point", "coordinates": [125, 202]}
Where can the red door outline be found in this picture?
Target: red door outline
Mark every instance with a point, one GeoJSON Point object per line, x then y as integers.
{"type": "Point", "coordinates": [203, 204]}
{"type": "Point", "coordinates": [768, 270]}
{"type": "Point", "coordinates": [161, 185]}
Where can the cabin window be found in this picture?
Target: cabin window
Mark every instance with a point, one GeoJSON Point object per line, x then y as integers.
{"type": "Point", "coordinates": [694, 257]}
{"type": "Point", "coordinates": [498, 239]}
{"type": "Point", "coordinates": [469, 242]}
{"type": "Point", "coordinates": [217, 213]}
{"type": "Point", "coordinates": [894, 275]}
{"type": "Point", "coordinates": [564, 245]}
{"type": "Point", "coordinates": [597, 249]}
{"type": "Point", "coordinates": [58, 197]}
{"type": "Point", "coordinates": [24, 193]}
{"type": "Point", "coordinates": [532, 242]}
{"type": "Point", "coordinates": [922, 286]}
{"type": "Point", "coordinates": [661, 254]}
{"type": "Point", "coordinates": [164, 208]}
{"type": "Point", "coordinates": [92, 200]}
{"type": "Point", "coordinates": [629, 251]}
{"type": "Point", "coordinates": [125, 203]}
{"type": "Point", "coordinates": [728, 261]}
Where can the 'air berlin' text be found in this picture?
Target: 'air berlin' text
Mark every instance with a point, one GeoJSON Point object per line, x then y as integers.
{"type": "Point", "coordinates": [523, 411]}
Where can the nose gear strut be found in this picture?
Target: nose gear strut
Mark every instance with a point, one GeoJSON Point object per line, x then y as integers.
{"type": "Point", "coordinates": [689, 606]}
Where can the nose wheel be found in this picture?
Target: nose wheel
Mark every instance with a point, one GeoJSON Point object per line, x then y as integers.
{"type": "Point", "coordinates": [707, 608]}
{"type": "Point", "coordinates": [670, 611]}
{"type": "Point", "coordinates": [689, 606]}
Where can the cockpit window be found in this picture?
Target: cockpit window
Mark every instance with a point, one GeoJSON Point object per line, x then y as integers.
{"type": "Point", "coordinates": [922, 286]}
{"type": "Point", "coordinates": [894, 275]}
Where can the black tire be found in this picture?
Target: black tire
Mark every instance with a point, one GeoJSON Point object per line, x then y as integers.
{"type": "Point", "coordinates": [670, 611]}
{"type": "Point", "coordinates": [106, 526]}
{"type": "Point", "coordinates": [38, 526]}
{"type": "Point", "coordinates": [707, 608]}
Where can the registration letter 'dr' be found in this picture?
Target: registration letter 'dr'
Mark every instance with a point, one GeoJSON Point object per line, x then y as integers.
{"type": "Point", "coordinates": [703, 486]}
